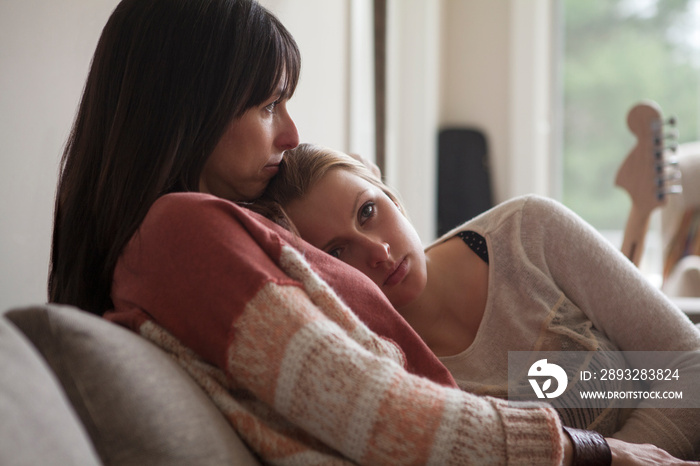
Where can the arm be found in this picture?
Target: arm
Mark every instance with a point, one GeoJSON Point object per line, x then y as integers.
{"type": "Point", "coordinates": [367, 406]}
{"type": "Point", "coordinates": [624, 306]}
{"type": "Point", "coordinates": [249, 305]}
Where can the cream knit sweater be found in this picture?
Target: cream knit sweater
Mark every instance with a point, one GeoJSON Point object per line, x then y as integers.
{"type": "Point", "coordinates": [555, 284]}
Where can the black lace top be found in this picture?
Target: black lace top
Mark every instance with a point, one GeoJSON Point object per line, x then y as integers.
{"type": "Point", "coordinates": [476, 242]}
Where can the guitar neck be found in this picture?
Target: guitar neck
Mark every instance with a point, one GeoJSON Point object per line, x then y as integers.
{"type": "Point", "coordinates": [645, 174]}
{"type": "Point", "coordinates": [635, 232]}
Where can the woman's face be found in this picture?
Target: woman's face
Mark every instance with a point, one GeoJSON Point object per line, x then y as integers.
{"type": "Point", "coordinates": [355, 221]}
{"type": "Point", "coordinates": [249, 153]}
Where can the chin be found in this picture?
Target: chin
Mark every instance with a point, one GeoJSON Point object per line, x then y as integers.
{"type": "Point", "coordinates": [400, 301]}
{"type": "Point", "coordinates": [253, 194]}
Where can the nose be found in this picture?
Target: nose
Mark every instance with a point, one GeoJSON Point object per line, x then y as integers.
{"type": "Point", "coordinates": [288, 135]}
{"type": "Point", "coordinates": [378, 252]}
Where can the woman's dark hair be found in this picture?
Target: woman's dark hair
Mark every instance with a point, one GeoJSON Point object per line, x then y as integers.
{"type": "Point", "coordinates": [166, 79]}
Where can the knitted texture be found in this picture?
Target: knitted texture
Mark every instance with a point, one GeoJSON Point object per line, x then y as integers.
{"type": "Point", "coordinates": [296, 350]}
{"type": "Point", "coordinates": [555, 284]}
{"type": "Point", "coordinates": [298, 375]}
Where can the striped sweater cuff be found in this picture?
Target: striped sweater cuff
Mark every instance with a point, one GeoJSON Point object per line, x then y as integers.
{"type": "Point", "coordinates": [534, 434]}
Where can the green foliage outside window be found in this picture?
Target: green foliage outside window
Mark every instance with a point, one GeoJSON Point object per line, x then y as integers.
{"type": "Point", "coordinates": [616, 53]}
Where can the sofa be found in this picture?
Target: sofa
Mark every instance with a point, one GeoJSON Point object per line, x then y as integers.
{"type": "Point", "coordinates": [78, 390]}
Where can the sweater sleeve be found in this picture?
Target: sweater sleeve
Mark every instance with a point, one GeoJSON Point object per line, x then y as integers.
{"type": "Point", "coordinates": [191, 267]}
{"type": "Point", "coordinates": [365, 405]}
{"type": "Point", "coordinates": [202, 274]}
{"type": "Point", "coordinates": [621, 303]}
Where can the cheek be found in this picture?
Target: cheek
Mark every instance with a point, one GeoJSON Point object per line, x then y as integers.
{"type": "Point", "coordinates": [222, 160]}
{"type": "Point", "coordinates": [238, 143]}
{"type": "Point", "coordinates": [406, 234]}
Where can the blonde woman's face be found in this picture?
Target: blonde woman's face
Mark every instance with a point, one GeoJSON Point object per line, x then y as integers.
{"type": "Point", "coordinates": [355, 221]}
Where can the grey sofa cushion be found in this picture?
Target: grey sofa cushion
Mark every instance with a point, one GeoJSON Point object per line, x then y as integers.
{"type": "Point", "coordinates": [37, 423]}
{"type": "Point", "coordinates": [138, 406]}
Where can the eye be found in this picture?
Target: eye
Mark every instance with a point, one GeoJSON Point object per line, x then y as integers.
{"type": "Point", "coordinates": [335, 252]}
{"type": "Point", "coordinates": [367, 211]}
{"type": "Point", "coordinates": [271, 106]}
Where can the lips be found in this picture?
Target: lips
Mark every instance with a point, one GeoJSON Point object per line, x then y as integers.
{"type": "Point", "coordinates": [275, 165]}
{"type": "Point", "coordinates": [272, 168]}
{"type": "Point", "coordinates": [398, 274]}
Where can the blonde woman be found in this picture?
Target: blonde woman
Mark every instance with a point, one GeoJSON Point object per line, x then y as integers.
{"type": "Point", "coordinates": [527, 275]}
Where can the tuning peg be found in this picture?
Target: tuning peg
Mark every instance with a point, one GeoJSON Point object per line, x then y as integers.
{"type": "Point", "coordinates": [671, 135]}
{"type": "Point", "coordinates": [667, 172]}
{"type": "Point", "coordinates": [673, 176]}
{"type": "Point", "coordinates": [657, 124]}
{"type": "Point", "coordinates": [671, 162]}
{"type": "Point", "coordinates": [659, 154]}
{"type": "Point", "coordinates": [668, 166]}
{"type": "Point", "coordinates": [665, 190]}
{"type": "Point", "coordinates": [668, 179]}
{"type": "Point", "coordinates": [672, 189]}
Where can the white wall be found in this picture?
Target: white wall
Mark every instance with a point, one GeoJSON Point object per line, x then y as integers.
{"type": "Point", "coordinates": [45, 51]}
{"type": "Point", "coordinates": [497, 77]}
{"type": "Point", "coordinates": [334, 102]}
{"type": "Point", "coordinates": [451, 62]}
{"type": "Point", "coordinates": [475, 75]}
{"type": "Point", "coordinates": [320, 104]}
{"type": "Point", "coordinates": [412, 108]}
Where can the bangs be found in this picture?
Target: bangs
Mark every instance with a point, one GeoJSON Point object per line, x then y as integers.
{"type": "Point", "coordinates": [288, 65]}
{"type": "Point", "coordinates": [278, 67]}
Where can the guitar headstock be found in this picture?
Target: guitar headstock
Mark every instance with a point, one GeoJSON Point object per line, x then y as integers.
{"type": "Point", "coordinates": [648, 174]}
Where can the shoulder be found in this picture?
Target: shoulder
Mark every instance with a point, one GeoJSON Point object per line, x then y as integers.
{"type": "Point", "coordinates": [195, 216]}
{"type": "Point", "coordinates": [188, 229]}
{"type": "Point", "coordinates": [548, 215]}
{"type": "Point", "coordinates": [531, 209]}
{"type": "Point", "coordinates": [504, 212]}
{"type": "Point", "coordinates": [187, 208]}
{"type": "Point", "coordinates": [533, 203]}
{"type": "Point", "coordinates": [527, 213]}
{"type": "Point", "coordinates": [194, 265]}
{"type": "Point", "coordinates": [530, 204]}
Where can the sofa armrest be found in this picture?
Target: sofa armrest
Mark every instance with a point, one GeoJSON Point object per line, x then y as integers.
{"type": "Point", "coordinates": [37, 422]}
{"type": "Point", "coordinates": [136, 404]}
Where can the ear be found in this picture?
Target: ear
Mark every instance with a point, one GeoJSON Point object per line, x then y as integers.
{"type": "Point", "coordinates": [398, 207]}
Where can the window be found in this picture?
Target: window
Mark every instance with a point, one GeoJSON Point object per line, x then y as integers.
{"type": "Point", "coordinates": [615, 53]}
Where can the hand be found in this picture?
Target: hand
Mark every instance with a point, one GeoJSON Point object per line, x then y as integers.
{"type": "Point", "coordinates": [632, 454]}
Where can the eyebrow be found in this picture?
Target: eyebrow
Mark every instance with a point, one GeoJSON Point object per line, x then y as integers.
{"type": "Point", "coordinates": [352, 214]}
{"type": "Point", "coordinates": [357, 201]}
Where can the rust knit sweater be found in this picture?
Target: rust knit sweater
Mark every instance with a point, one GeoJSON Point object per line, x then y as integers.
{"type": "Point", "coordinates": [266, 325]}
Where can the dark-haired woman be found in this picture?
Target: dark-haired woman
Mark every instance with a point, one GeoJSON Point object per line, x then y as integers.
{"type": "Point", "coordinates": [184, 116]}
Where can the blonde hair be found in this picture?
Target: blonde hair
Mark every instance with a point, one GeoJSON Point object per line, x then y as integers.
{"type": "Point", "coordinates": [301, 169]}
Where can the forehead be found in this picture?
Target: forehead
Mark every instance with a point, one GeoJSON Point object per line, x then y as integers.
{"type": "Point", "coordinates": [329, 206]}
{"type": "Point", "coordinates": [338, 184]}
